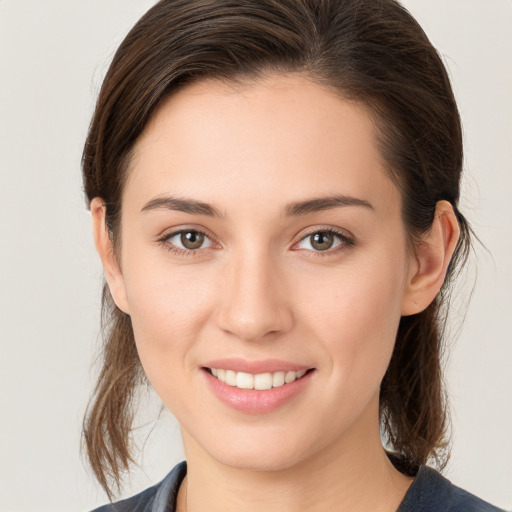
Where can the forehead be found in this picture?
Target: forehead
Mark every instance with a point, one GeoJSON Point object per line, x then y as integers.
{"type": "Point", "coordinates": [285, 131]}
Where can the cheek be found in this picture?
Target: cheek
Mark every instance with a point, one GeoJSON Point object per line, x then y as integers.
{"type": "Point", "coordinates": [359, 318]}
{"type": "Point", "coordinates": [168, 308]}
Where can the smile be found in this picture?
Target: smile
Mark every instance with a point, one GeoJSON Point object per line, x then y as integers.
{"type": "Point", "coordinates": [260, 381]}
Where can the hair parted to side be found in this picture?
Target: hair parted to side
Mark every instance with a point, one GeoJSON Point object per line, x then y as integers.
{"type": "Point", "coordinates": [370, 51]}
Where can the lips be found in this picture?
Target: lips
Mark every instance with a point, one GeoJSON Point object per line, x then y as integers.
{"type": "Point", "coordinates": [256, 386]}
{"type": "Point", "coordinates": [255, 367]}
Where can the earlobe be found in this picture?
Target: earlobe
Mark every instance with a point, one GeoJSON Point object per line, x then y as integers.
{"type": "Point", "coordinates": [111, 267]}
{"type": "Point", "coordinates": [431, 259]}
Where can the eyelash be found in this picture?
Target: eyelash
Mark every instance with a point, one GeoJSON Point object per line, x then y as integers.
{"type": "Point", "coordinates": [164, 241]}
{"type": "Point", "coordinates": [345, 242]}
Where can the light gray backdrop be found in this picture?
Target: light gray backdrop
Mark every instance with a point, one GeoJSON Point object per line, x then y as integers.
{"type": "Point", "coordinates": [53, 55]}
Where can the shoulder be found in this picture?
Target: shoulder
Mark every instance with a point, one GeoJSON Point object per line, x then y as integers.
{"type": "Point", "coordinates": [158, 498]}
{"type": "Point", "coordinates": [142, 502]}
{"type": "Point", "coordinates": [432, 492]}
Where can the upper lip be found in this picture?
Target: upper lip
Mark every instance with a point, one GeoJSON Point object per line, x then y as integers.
{"type": "Point", "coordinates": [256, 367]}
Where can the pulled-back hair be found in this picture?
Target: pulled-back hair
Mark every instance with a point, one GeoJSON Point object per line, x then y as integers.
{"type": "Point", "coordinates": [369, 51]}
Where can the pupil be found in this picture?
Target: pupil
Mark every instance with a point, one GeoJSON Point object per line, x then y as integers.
{"type": "Point", "coordinates": [192, 239]}
{"type": "Point", "coordinates": [322, 240]}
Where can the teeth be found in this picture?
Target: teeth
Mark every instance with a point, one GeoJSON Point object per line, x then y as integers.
{"type": "Point", "coordinates": [230, 377]}
{"type": "Point", "coordinates": [261, 381]}
{"type": "Point", "coordinates": [289, 377]}
{"type": "Point", "coordinates": [277, 379]}
{"type": "Point", "coordinates": [244, 380]}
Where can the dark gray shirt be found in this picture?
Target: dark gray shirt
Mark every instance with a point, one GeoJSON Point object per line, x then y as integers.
{"type": "Point", "coordinates": [430, 492]}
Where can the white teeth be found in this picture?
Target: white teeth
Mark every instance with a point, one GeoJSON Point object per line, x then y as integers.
{"type": "Point", "coordinates": [244, 380]}
{"type": "Point", "coordinates": [261, 381]}
{"type": "Point", "coordinates": [277, 379]}
{"type": "Point", "coordinates": [289, 377]}
{"type": "Point", "coordinates": [230, 377]}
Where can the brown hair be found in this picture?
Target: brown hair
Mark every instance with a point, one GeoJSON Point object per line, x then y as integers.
{"type": "Point", "coordinates": [371, 51]}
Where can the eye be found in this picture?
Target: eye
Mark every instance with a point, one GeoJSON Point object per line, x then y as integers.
{"type": "Point", "coordinates": [186, 240]}
{"type": "Point", "coordinates": [324, 240]}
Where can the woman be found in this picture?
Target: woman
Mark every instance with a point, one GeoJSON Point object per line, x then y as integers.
{"type": "Point", "coordinates": [274, 190]}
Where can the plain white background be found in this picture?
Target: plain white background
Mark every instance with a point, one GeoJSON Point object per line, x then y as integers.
{"type": "Point", "coordinates": [53, 55]}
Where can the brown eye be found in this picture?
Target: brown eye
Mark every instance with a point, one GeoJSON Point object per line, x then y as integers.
{"type": "Point", "coordinates": [322, 240]}
{"type": "Point", "coordinates": [192, 239]}
{"type": "Point", "coordinates": [186, 241]}
{"type": "Point", "coordinates": [325, 240]}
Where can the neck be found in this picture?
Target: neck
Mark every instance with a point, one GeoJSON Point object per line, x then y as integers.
{"type": "Point", "coordinates": [353, 474]}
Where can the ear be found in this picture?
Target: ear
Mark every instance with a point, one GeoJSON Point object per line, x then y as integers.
{"type": "Point", "coordinates": [430, 261]}
{"type": "Point", "coordinates": [104, 246]}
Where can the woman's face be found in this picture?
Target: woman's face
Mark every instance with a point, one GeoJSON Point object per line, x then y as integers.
{"type": "Point", "coordinates": [261, 235]}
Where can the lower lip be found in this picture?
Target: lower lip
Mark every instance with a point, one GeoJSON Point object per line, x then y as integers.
{"type": "Point", "coordinates": [254, 401]}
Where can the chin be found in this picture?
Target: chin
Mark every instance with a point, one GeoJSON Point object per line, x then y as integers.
{"type": "Point", "coordinates": [258, 453]}
{"type": "Point", "coordinates": [261, 461]}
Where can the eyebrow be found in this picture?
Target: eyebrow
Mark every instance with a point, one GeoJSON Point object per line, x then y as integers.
{"type": "Point", "coordinates": [293, 209]}
{"type": "Point", "coordinates": [182, 205]}
{"type": "Point", "coordinates": [324, 203]}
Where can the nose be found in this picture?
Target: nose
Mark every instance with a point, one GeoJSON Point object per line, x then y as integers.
{"type": "Point", "coordinates": [254, 300]}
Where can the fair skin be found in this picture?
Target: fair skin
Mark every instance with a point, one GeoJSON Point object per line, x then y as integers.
{"type": "Point", "coordinates": [260, 288]}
